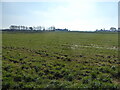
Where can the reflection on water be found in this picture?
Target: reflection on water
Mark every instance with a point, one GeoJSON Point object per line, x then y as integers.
{"type": "Point", "coordinates": [93, 46]}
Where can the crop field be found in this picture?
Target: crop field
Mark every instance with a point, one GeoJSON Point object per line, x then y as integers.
{"type": "Point", "coordinates": [60, 60]}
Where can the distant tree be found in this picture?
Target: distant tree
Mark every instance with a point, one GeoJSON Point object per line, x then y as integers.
{"type": "Point", "coordinates": [15, 27]}
{"type": "Point", "coordinates": [43, 28]}
{"type": "Point", "coordinates": [97, 30]}
{"type": "Point", "coordinates": [26, 28]}
{"type": "Point", "coordinates": [12, 27]}
{"type": "Point", "coordinates": [30, 28]}
{"type": "Point", "coordinates": [65, 29]}
{"type": "Point", "coordinates": [52, 28]}
{"type": "Point", "coordinates": [18, 27]}
{"type": "Point", "coordinates": [40, 28]}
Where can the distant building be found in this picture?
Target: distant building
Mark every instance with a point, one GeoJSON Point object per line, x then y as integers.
{"type": "Point", "coordinates": [112, 29]}
{"type": "Point", "coordinates": [119, 29]}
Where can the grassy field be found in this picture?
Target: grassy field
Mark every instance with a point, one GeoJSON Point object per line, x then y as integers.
{"type": "Point", "coordinates": [60, 60]}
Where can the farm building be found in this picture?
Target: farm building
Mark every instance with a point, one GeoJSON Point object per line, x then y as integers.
{"type": "Point", "coordinates": [112, 29]}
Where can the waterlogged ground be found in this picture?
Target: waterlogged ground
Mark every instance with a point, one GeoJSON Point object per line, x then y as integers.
{"type": "Point", "coordinates": [60, 60]}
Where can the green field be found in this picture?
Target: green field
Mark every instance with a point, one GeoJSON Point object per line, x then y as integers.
{"type": "Point", "coordinates": [60, 60]}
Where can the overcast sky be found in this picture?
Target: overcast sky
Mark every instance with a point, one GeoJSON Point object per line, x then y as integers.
{"type": "Point", "coordinates": [71, 14]}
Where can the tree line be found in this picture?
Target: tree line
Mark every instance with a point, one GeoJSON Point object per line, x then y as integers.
{"type": "Point", "coordinates": [14, 27]}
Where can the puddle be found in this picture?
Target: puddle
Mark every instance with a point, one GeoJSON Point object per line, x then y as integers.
{"type": "Point", "coordinates": [93, 46]}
